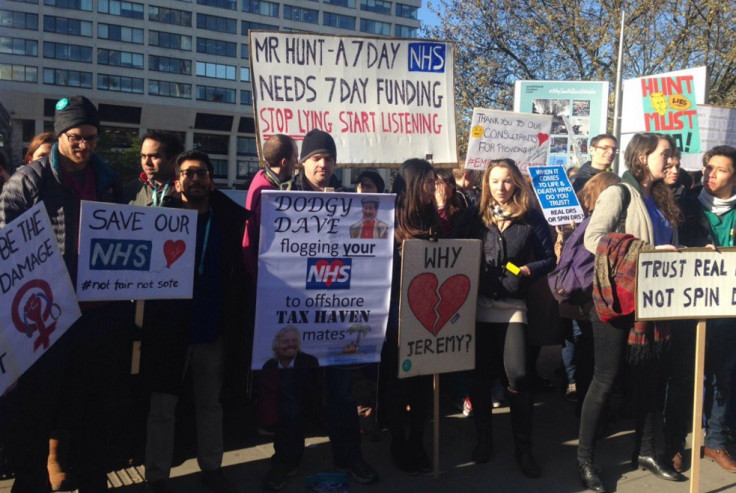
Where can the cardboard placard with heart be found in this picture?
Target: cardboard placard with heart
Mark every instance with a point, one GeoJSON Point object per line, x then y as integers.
{"type": "Point", "coordinates": [439, 282]}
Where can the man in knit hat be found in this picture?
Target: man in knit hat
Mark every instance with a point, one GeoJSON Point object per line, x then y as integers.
{"type": "Point", "coordinates": [74, 374]}
{"type": "Point", "coordinates": [318, 158]}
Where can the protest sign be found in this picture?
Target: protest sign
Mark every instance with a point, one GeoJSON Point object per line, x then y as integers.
{"type": "Point", "coordinates": [36, 293]}
{"type": "Point", "coordinates": [503, 134]}
{"type": "Point", "coordinates": [717, 127]}
{"type": "Point", "coordinates": [130, 252]}
{"type": "Point", "coordinates": [325, 268]}
{"type": "Point", "coordinates": [665, 103]}
{"type": "Point", "coordinates": [580, 111]}
{"type": "Point", "coordinates": [692, 283]}
{"type": "Point", "coordinates": [383, 100]}
{"type": "Point", "coordinates": [439, 286]}
{"type": "Point", "coordinates": [556, 196]}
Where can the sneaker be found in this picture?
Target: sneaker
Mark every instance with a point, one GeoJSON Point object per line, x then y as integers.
{"type": "Point", "coordinates": [467, 407]}
{"type": "Point", "coordinates": [571, 394]}
{"type": "Point", "coordinates": [361, 472]}
{"type": "Point", "coordinates": [277, 477]}
{"type": "Point", "coordinates": [216, 481]}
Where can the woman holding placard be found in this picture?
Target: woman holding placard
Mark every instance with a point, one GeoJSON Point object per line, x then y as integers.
{"type": "Point", "coordinates": [643, 207]}
{"type": "Point", "coordinates": [517, 248]}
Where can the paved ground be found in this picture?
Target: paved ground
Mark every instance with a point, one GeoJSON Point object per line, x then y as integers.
{"type": "Point", "coordinates": [555, 433]}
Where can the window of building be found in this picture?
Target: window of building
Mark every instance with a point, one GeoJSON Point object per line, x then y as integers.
{"type": "Point", "coordinates": [170, 16]}
{"type": "Point", "coordinates": [118, 58]}
{"type": "Point", "coordinates": [62, 25]}
{"type": "Point", "coordinates": [215, 23]}
{"type": "Point", "coordinates": [18, 73]}
{"type": "Point", "coordinates": [377, 6]}
{"type": "Point", "coordinates": [246, 26]}
{"type": "Point", "coordinates": [222, 4]}
{"type": "Point", "coordinates": [219, 168]}
{"type": "Point", "coordinates": [18, 20]}
{"type": "Point", "coordinates": [216, 95]}
{"type": "Point", "coordinates": [18, 46]}
{"type": "Point", "coordinates": [405, 31]}
{"type": "Point", "coordinates": [169, 64]}
{"type": "Point", "coordinates": [212, 144]}
{"type": "Point", "coordinates": [216, 47]}
{"type": "Point", "coordinates": [120, 113]}
{"type": "Point", "coordinates": [119, 83]}
{"type": "Point", "coordinates": [85, 5]}
{"type": "Point", "coordinates": [170, 40]}
{"type": "Point", "coordinates": [245, 74]}
{"type": "Point", "coordinates": [246, 125]}
{"type": "Point", "coordinates": [120, 33]}
{"type": "Point", "coordinates": [247, 146]}
{"type": "Point", "coordinates": [244, 51]}
{"type": "Point", "coordinates": [248, 167]}
{"type": "Point", "coordinates": [339, 21]}
{"type": "Point", "coordinates": [407, 11]}
{"type": "Point", "coordinates": [301, 14]}
{"type": "Point", "coordinates": [28, 130]}
{"type": "Point", "coordinates": [261, 7]}
{"type": "Point", "coordinates": [63, 51]}
{"type": "Point", "coordinates": [123, 9]}
{"type": "Point", "coordinates": [69, 78]}
{"type": "Point", "coordinates": [169, 89]}
{"type": "Point", "coordinates": [215, 70]}
{"type": "Point", "coordinates": [341, 3]}
{"type": "Point", "coordinates": [246, 97]}
{"type": "Point", "coordinates": [26, 1]}
{"type": "Point", "coordinates": [375, 27]}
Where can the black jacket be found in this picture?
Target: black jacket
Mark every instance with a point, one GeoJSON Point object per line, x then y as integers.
{"type": "Point", "coordinates": [694, 231]}
{"type": "Point", "coordinates": [586, 172]}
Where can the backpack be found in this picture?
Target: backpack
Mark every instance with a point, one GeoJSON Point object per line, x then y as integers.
{"type": "Point", "coordinates": [572, 280]}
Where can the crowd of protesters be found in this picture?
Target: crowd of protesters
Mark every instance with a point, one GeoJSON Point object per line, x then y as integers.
{"type": "Point", "coordinates": [65, 404]}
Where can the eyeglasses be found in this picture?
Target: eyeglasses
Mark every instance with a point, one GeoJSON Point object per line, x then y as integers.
{"type": "Point", "coordinates": [190, 173]}
{"type": "Point", "coordinates": [605, 149]}
{"type": "Point", "coordinates": [78, 139]}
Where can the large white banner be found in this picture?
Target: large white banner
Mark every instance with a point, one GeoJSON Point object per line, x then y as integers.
{"type": "Point", "coordinates": [439, 287]}
{"type": "Point", "coordinates": [717, 127]}
{"type": "Point", "coordinates": [324, 268]}
{"type": "Point", "coordinates": [383, 100]}
{"type": "Point", "coordinates": [130, 252]}
{"type": "Point", "coordinates": [36, 294]}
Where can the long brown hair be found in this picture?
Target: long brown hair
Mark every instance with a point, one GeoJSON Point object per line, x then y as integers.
{"type": "Point", "coordinates": [593, 188]}
{"type": "Point", "coordinates": [452, 202]}
{"type": "Point", "coordinates": [414, 218]}
{"type": "Point", "coordinates": [520, 202]}
{"type": "Point", "coordinates": [38, 141]}
{"type": "Point", "coordinates": [641, 146]}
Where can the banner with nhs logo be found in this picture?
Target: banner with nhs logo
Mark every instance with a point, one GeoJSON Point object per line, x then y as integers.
{"type": "Point", "coordinates": [324, 271]}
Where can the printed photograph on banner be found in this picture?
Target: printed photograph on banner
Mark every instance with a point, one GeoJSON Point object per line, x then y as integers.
{"type": "Point", "coordinates": [556, 195]}
{"type": "Point", "coordinates": [525, 138]}
{"type": "Point", "coordinates": [439, 287]}
{"type": "Point", "coordinates": [324, 277]}
{"type": "Point", "coordinates": [384, 100]}
{"type": "Point", "coordinates": [36, 293]}
{"type": "Point", "coordinates": [130, 252]}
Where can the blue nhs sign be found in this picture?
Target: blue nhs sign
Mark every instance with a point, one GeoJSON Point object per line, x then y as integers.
{"type": "Point", "coordinates": [427, 57]}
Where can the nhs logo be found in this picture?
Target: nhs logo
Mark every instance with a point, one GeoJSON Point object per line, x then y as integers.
{"type": "Point", "coordinates": [427, 57]}
{"type": "Point", "coordinates": [332, 273]}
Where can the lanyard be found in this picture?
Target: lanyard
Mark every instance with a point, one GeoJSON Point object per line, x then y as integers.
{"type": "Point", "coordinates": [156, 199]}
{"type": "Point", "coordinates": [200, 267]}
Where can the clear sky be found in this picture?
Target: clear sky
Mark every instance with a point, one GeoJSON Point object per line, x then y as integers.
{"type": "Point", "coordinates": [428, 17]}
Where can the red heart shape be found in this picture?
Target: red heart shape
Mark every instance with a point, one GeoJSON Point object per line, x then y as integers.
{"type": "Point", "coordinates": [335, 265]}
{"type": "Point", "coordinates": [173, 250]}
{"type": "Point", "coordinates": [435, 308]}
{"type": "Point", "coordinates": [542, 138]}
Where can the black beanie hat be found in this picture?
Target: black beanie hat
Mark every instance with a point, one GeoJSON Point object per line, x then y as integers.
{"type": "Point", "coordinates": [317, 142]}
{"type": "Point", "coordinates": [74, 112]}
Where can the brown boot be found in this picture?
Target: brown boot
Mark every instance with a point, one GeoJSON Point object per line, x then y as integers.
{"type": "Point", "coordinates": [57, 476]}
{"type": "Point", "coordinates": [722, 458]}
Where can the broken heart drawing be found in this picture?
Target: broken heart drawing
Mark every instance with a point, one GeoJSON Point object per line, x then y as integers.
{"type": "Point", "coordinates": [434, 307]}
{"type": "Point", "coordinates": [542, 138]}
{"type": "Point", "coordinates": [173, 250]}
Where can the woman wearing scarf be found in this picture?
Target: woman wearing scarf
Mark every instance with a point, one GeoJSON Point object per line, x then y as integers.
{"type": "Point", "coordinates": [651, 216]}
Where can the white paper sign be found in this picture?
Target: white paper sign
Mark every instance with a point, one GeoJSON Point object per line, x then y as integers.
{"type": "Point", "coordinates": [383, 100]}
{"type": "Point", "coordinates": [717, 127]}
{"type": "Point", "coordinates": [129, 252]}
{"type": "Point", "coordinates": [439, 286]}
{"type": "Point", "coordinates": [556, 195]}
{"type": "Point", "coordinates": [692, 283]}
{"type": "Point", "coordinates": [503, 134]}
{"type": "Point", "coordinates": [36, 294]}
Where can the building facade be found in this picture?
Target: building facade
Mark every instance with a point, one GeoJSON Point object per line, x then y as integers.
{"type": "Point", "coordinates": [173, 65]}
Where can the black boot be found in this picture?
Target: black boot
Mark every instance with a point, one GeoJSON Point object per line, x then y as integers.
{"type": "Point", "coordinates": [400, 448]}
{"type": "Point", "coordinates": [521, 405]}
{"type": "Point", "coordinates": [484, 445]}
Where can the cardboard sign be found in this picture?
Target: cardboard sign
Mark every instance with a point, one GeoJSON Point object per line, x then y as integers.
{"type": "Point", "coordinates": [36, 293]}
{"type": "Point", "coordinates": [717, 127]}
{"type": "Point", "coordinates": [693, 283]}
{"type": "Point", "coordinates": [580, 110]}
{"type": "Point", "coordinates": [439, 286]}
{"type": "Point", "coordinates": [325, 268]}
{"type": "Point", "coordinates": [503, 134]}
{"type": "Point", "coordinates": [383, 100]}
{"type": "Point", "coordinates": [129, 252]}
{"type": "Point", "coordinates": [556, 196]}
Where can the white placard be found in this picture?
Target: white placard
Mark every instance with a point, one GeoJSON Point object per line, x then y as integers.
{"type": "Point", "coordinates": [439, 287]}
{"type": "Point", "coordinates": [130, 252]}
{"type": "Point", "coordinates": [504, 134]}
{"type": "Point", "coordinates": [325, 268]}
{"type": "Point", "coordinates": [556, 195]}
{"type": "Point", "coordinates": [383, 100]}
{"type": "Point", "coordinates": [35, 292]}
{"type": "Point", "coordinates": [717, 127]}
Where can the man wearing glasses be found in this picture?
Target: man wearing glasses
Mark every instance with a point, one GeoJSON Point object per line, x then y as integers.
{"type": "Point", "coordinates": [193, 335]}
{"type": "Point", "coordinates": [604, 149]}
{"type": "Point", "coordinates": [78, 374]}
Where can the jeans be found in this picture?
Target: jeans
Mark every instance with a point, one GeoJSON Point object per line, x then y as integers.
{"type": "Point", "coordinates": [343, 425]}
{"type": "Point", "coordinates": [720, 361]}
